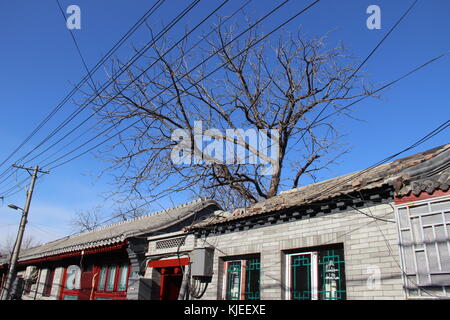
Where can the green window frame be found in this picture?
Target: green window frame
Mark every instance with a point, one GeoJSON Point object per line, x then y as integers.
{"type": "Point", "coordinates": [111, 279]}
{"type": "Point", "coordinates": [242, 279]}
{"type": "Point", "coordinates": [123, 278]}
{"type": "Point", "coordinates": [302, 279]}
{"type": "Point", "coordinates": [316, 275]}
{"type": "Point", "coordinates": [331, 266]}
{"type": "Point", "coordinates": [233, 280]}
{"type": "Point", "coordinates": [102, 278]}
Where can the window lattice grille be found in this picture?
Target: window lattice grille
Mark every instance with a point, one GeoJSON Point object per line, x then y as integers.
{"type": "Point", "coordinates": [425, 246]}
{"type": "Point", "coordinates": [170, 243]}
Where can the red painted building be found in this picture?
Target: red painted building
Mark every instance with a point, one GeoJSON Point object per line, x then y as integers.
{"type": "Point", "coordinates": [104, 264]}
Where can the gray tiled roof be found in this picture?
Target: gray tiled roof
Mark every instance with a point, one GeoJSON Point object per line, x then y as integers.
{"type": "Point", "coordinates": [120, 231]}
{"type": "Point", "coordinates": [421, 172]}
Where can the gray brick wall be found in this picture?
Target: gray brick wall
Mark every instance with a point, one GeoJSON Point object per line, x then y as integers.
{"type": "Point", "coordinates": [370, 249]}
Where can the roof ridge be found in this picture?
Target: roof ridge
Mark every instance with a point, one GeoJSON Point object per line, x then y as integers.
{"type": "Point", "coordinates": [198, 200]}
{"type": "Point", "coordinates": [438, 150]}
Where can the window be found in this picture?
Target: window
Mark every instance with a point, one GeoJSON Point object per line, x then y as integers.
{"type": "Point", "coordinates": [48, 282]}
{"type": "Point", "coordinates": [424, 228]}
{"type": "Point", "coordinates": [123, 277]}
{"type": "Point", "coordinates": [316, 274]}
{"type": "Point", "coordinates": [73, 277]}
{"type": "Point", "coordinates": [113, 278]}
{"type": "Point", "coordinates": [101, 280]}
{"type": "Point", "coordinates": [242, 278]}
{"type": "Point", "coordinates": [31, 275]}
{"type": "Point", "coordinates": [27, 287]}
{"type": "Point", "coordinates": [106, 282]}
{"type": "Point", "coordinates": [71, 283]}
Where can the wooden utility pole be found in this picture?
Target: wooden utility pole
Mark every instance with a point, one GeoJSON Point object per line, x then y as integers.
{"type": "Point", "coordinates": [6, 293]}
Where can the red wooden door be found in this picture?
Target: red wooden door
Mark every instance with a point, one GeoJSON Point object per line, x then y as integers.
{"type": "Point", "coordinates": [171, 279]}
{"type": "Point", "coordinates": [86, 285]}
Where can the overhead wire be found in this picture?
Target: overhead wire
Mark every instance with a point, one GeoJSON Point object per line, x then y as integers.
{"type": "Point", "coordinates": [186, 52]}
{"type": "Point", "coordinates": [197, 81]}
{"type": "Point", "coordinates": [372, 52]}
{"type": "Point", "coordinates": [106, 57]}
{"type": "Point", "coordinates": [104, 87]}
{"type": "Point", "coordinates": [123, 69]}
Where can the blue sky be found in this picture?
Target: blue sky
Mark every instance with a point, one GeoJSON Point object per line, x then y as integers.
{"type": "Point", "coordinates": [39, 65]}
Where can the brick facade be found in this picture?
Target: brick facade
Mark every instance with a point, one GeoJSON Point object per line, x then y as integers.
{"type": "Point", "coordinates": [370, 249]}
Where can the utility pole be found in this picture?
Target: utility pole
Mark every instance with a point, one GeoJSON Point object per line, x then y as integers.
{"type": "Point", "coordinates": [15, 255]}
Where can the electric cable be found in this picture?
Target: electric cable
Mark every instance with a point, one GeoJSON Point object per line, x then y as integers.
{"type": "Point", "coordinates": [86, 77]}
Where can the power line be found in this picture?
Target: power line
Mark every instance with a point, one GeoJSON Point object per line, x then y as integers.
{"type": "Point", "coordinates": [434, 132]}
{"type": "Point", "coordinates": [261, 19]}
{"type": "Point", "coordinates": [127, 66]}
{"type": "Point", "coordinates": [186, 52]}
{"type": "Point", "coordinates": [386, 85]}
{"type": "Point", "coordinates": [77, 47]}
{"type": "Point", "coordinates": [81, 108]}
{"type": "Point", "coordinates": [202, 78]}
{"type": "Point", "coordinates": [111, 127]}
{"type": "Point", "coordinates": [106, 57]}
{"type": "Point", "coordinates": [328, 191]}
{"type": "Point", "coordinates": [427, 137]}
{"type": "Point", "coordinates": [123, 69]}
{"type": "Point", "coordinates": [361, 65]}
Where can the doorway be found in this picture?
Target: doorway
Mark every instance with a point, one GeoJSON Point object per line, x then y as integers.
{"type": "Point", "coordinates": [170, 284]}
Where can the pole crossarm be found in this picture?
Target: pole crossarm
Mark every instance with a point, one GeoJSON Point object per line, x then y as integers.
{"type": "Point", "coordinates": [38, 170]}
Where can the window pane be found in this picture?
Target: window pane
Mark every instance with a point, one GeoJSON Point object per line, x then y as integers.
{"type": "Point", "coordinates": [430, 244]}
{"type": "Point", "coordinates": [403, 218]}
{"type": "Point", "coordinates": [332, 275]}
{"type": "Point", "coordinates": [73, 277]}
{"type": "Point", "coordinates": [417, 232]}
{"type": "Point", "coordinates": [122, 286]}
{"type": "Point", "coordinates": [432, 219]}
{"type": "Point", "coordinates": [422, 271]}
{"type": "Point", "coordinates": [233, 280]}
{"type": "Point", "coordinates": [111, 278]}
{"type": "Point", "coordinates": [49, 282]}
{"type": "Point", "coordinates": [253, 267]}
{"type": "Point", "coordinates": [417, 210]}
{"type": "Point", "coordinates": [301, 277]}
{"type": "Point", "coordinates": [440, 206]}
{"type": "Point", "coordinates": [443, 247]}
{"type": "Point", "coordinates": [101, 280]}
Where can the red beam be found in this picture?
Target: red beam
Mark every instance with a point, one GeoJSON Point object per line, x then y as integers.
{"type": "Point", "coordinates": [113, 247]}
{"type": "Point", "coordinates": [422, 196]}
{"type": "Point", "coordinates": [169, 263]}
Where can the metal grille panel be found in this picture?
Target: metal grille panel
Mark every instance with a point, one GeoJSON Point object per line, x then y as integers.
{"type": "Point", "coordinates": [425, 246]}
{"type": "Point", "coordinates": [170, 243]}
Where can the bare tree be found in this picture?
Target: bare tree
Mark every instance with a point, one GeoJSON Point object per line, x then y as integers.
{"type": "Point", "coordinates": [130, 211]}
{"type": "Point", "coordinates": [276, 87]}
{"type": "Point", "coordinates": [7, 247]}
{"type": "Point", "coordinates": [87, 220]}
